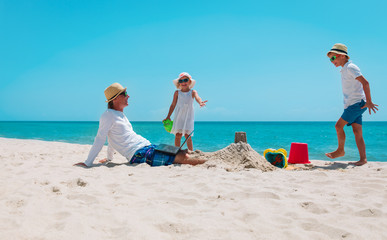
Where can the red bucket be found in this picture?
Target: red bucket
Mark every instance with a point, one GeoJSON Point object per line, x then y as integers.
{"type": "Point", "coordinates": [298, 153]}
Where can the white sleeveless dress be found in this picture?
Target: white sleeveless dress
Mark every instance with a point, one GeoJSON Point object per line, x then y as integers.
{"type": "Point", "coordinates": [184, 114]}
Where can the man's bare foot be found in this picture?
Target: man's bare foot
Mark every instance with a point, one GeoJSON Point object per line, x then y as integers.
{"type": "Point", "coordinates": [359, 163]}
{"type": "Point", "coordinates": [195, 162]}
{"type": "Point", "coordinates": [186, 151]}
{"type": "Point", "coordinates": [335, 154]}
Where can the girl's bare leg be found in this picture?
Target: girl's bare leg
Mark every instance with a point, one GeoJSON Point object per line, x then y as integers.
{"type": "Point", "coordinates": [177, 139]}
{"type": "Point", "coordinates": [189, 142]}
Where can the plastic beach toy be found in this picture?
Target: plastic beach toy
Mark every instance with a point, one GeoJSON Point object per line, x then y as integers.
{"type": "Point", "coordinates": [168, 125]}
{"type": "Point", "coordinates": [276, 157]}
{"type": "Point", "coordinates": [299, 153]}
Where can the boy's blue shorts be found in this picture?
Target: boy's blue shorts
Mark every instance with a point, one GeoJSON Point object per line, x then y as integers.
{"type": "Point", "coordinates": [150, 156]}
{"type": "Point", "coordinates": [353, 113]}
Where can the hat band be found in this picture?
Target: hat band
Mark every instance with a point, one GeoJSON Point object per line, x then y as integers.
{"type": "Point", "coordinates": [339, 50]}
{"type": "Point", "coordinates": [114, 96]}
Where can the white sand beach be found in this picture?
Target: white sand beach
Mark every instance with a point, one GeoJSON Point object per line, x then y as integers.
{"type": "Point", "coordinates": [43, 196]}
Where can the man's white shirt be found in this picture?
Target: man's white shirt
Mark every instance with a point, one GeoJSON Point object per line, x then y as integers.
{"type": "Point", "coordinates": [114, 126]}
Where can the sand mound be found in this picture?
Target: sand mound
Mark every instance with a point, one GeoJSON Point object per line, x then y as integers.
{"type": "Point", "coordinates": [235, 157]}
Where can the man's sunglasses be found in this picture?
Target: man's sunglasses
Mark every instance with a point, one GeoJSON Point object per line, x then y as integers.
{"type": "Point", "coordinates": [183, 80]}
{"type": "Point", "coordinates": [333, 58]}
{"type": "Point", "coordinates": [124, 94]}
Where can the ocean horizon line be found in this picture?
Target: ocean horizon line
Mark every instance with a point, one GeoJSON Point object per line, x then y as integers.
{"type": "Point", "coordinates": [205, 121]}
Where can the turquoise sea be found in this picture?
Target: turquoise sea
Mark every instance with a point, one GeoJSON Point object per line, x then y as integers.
{"type": "Point", "coordinates": [212, 136]}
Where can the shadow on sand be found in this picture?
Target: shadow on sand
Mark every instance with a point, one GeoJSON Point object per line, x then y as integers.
{"type": "Point", "coordinates": [112, 164]}
{"type": "Point", "coordinates": [326, 167]}
{"type": "Point", "coordinates": [334, 166]}
{"type": "Point", "coordinates": [109, 165]}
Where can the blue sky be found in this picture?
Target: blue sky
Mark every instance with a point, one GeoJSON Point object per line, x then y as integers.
{"type": "Point", "coordinates": [252, 60]}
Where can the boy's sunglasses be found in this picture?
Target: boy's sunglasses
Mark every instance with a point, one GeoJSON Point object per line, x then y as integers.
{"type": "Point", "coordinates": [183, 80]}
{"type": "Point", "coordinates": [333, 58]}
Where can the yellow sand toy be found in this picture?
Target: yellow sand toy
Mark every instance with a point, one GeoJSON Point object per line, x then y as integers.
{"type": "Point", "coordinates": [276, 157]}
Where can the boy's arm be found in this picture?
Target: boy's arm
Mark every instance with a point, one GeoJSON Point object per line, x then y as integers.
{"type": "Point", "coordinates": [173, 105]}
{"type": "Point", "coordinates": [367, 92]}
{"type": "Point", "coordinates": [198, 99]}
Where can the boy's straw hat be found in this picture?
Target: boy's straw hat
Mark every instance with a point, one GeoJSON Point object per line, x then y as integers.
{"type": "Point", "coordinates": [181, 75]}
{"type": "Point", "coordinates": [339, 48]}
{"type": "Point", "coordinates": [113, 91]}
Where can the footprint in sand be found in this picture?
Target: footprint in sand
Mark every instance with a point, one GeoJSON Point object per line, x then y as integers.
{"type": "Point", "coordinates": [88, 199]}
{"type": "Point", "coordinates": [268, 195]}
{"type": "Point", "coordinates": [74, 183]}
{"type": "Point", "coordinates": [81, 183]}
{"type": "Point", "coordinates": [331, 232]}
{"type": "Point", "coordinates": [313, 208]}
{"type": "Point", "coordinates": [56, 190]}
{"type": "Point", "coordinates": [15, 203]}
{"type": "Point", "coordinates": [247, 194]}
{"type": "Point", "coordinates": [369, 213]}
{"type": "Point", "coordinates": [44, 183]}
{"type": "Point", "coordinates": [183, 201]}
{"type": "Point", "coordinates": [174, 228]}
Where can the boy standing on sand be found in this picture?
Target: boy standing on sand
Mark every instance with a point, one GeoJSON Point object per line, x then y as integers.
{"type": "Point", "coordinates": [357, 98]}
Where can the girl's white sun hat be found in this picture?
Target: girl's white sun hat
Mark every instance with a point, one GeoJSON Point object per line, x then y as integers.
{"type": "Point", "coordinates": [182, 75]}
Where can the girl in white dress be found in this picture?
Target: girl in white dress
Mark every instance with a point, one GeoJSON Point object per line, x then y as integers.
{"type": "Point", "coordinates": [183, 123]}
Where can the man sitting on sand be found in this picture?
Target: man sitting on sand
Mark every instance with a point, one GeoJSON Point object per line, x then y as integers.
{"type": "Point", "coordinates": [116, 127]}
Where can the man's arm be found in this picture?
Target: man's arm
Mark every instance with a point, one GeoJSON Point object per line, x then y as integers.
{"type": "Point", "coordinates": [105, 124]}
{"type": "Point", "coordinates": [110, 154]}
{"type": "Point", "coordinates": [367, 92]}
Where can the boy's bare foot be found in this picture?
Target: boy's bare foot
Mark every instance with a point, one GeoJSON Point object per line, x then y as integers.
{"type": "Point", "coordinates": [359, 163]}
{"type": "Point", "coordinates": [104, 160]}
{"type": "Point", "coordinates": [335, 154]}
{"type": "Point", "coordinates": [80, 164]}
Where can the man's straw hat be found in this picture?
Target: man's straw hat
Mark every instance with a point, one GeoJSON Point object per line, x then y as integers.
{"type": "Point", "coordinates": [113, 91]}
{"type": "Point", "coordinates": [339, 48]}
{"type": "Point", "coordinates": [182, 75]}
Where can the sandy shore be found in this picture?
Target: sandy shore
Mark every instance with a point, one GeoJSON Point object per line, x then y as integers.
{"type": "Point", "coordinates": [42, 196]}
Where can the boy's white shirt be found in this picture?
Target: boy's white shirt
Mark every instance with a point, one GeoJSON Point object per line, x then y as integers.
{"type": "Point", "coordinates": [352, 89]}
{"type": "Point", "coordinates": [116, 127]}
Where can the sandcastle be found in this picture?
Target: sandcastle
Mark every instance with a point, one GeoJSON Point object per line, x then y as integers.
{"type": "Point", "coordinates": [235, 157]}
